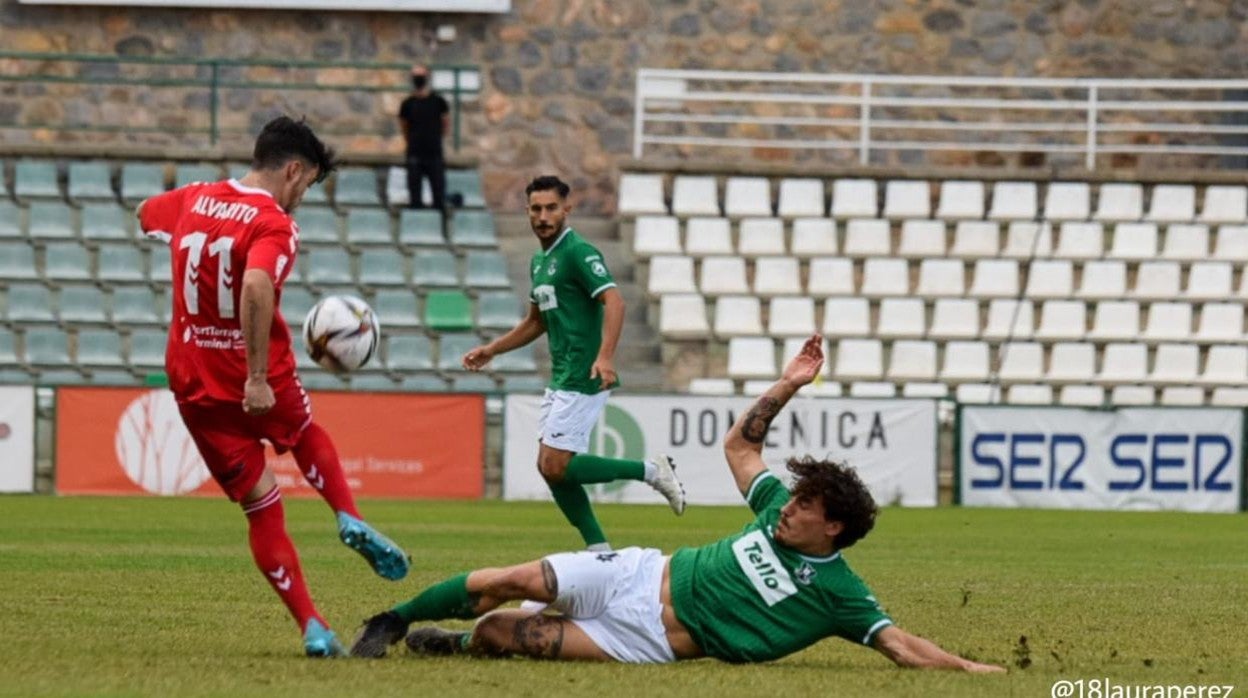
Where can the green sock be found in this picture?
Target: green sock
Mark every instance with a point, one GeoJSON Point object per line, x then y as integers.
{"type": "Point", "coordinates": [588, 470]}
{"type": "Point", "coordinates": [446, 599]}
{"type": "Point", "coordinates": [574, 504]}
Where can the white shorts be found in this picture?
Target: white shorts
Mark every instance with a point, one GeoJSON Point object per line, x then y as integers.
{"type": "Point", "coordinates": [614, 597]}
{"type": "Point", "coordinates": [567, 418]}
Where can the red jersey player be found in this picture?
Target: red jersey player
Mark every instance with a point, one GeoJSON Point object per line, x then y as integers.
{"type": "Point", "coordinates": [229, 356]}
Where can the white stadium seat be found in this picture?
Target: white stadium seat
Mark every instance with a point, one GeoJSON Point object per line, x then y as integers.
{"type": "Point", "coordinates": [1050, 278]}
{"type": "Point", "coordinates": [867, 237]}
{"type": "Point", "coordinates": [995, 278]}
{"type": "Point", "coordinates": [1025, 239]}
{"type": "Point", "coordinates": [1062, 320]}
{"type": "Point", "coordinates": [641, 193]}
{"type": "Point", "coordinates": [1182, 396]}
{"type": "Point", "coordinates": [791, 317]}
{"type": "Point", "coordinates": [1029, 394]}
{"type": "Point", "coordinates": [1173, 203]}
{"type": "Point", "coordinates": [885, 277]}
{"type": "Point", "coordinates": [747, 196]}
{"type": "Point", "coordinates": [1013, 201]}
{"type": "Point", "coordinates": [1123, 363]}
{"type": "Point", "coordinates": [954, 318]}
{"type": "Point", "coordinates": [708, 236]}
{"type": "Point", "coordinates": [846, 317]}
{"type": "Point", "coordinates": [1010, 318]}
{"type": "Point", "coordinates": [751, 357]}
{"type": "Point", "coordinates": [1080, 241]}
{"type": "Point", "coordinates": [814, 237]}
{"type": "Point", "coordinates": [1226, 364]}
{"type": "Point", "coordinates": [1225, 204]}
{"type": "Point", "coordinates": [1103, 278]}
{"type": "Point", "coordinates": [854, 198]}
{"type": "Point", "coordinates": [872, 389]}
{"type": "Point", "coordinates": [941, 277]}
{"type": "Point", "coordinates": [1156, 281]}
{"type": "Point", "coordinates": [907, 198]}
{"type": "Point", "coordinates": [760, 236]}
{"type": "Point", "coordinates": [1226, 396]}
{"type": "Point", "coordinates": [723, 276]}
{"type": "Point", "coordinates": [1231, 243]}
{"type": "Point", "coordinates": [801, 197]}
{"type": "Point", "coordinates": [974, 239]}
{"type": "Point", "coordinates": [1115, 320]}
{"type": "Point", "coordinates": [1221, 322]}
{"type": "Point", "coordinates": [961, 200]}
{"type": "Point", "coordinates": [912, 361]}
{"type": "Point", "coordinates": [777, 276]}
{"type": "Point", "coordinates": [901, 318]}
{"type": "Point", "coordinates": [830, 276]}
{"type": "Point", "coordinates": [935, 391]}
{"type": "Point", "coordinates": [1134, 241]}
{"type": "Point", "coordinates": [1168, 322]}
{"type": "Point", "coordinates": [1186, 241]}
{"type": "Point", "coordinates": [1081, 395]}
{"type": "Point", "coordinates": [1067, 201]}
{"type": "Point", "coordinates": [965, 362]}
{"type": "Point", "coordinates": [1119, 201]}
{"type": "Point", "coordinates": [656, 235]}
{"type": "Point", "coordinates": [978, 394]}
{"type": "Point", "coordinates": [1020, 362]}
{"type": "Point", "coordinates": [1123, 395]}
{"type": "Point", "coordinates": [670, 274]}
{"type": "Point", "coordinates": [738, 316]}
{"type": "Point", "coordinates": [711, 386]}
{"type": "Point", "coordinates": [683, 316]}
{"type": "Point", "coordinates": [922, 238]}
{"type": "Point", "coordinates": [695, 196]}
{"type": "Point", "coordinates": [1209, 281]}
{"type": "Point", "coordinates": [1071, 362]}
{"type": "Point", "coordinates": [859, 359]}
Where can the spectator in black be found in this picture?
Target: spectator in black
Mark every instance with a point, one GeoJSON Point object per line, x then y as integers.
{"type": "Point", "coordinates": [424, 119]}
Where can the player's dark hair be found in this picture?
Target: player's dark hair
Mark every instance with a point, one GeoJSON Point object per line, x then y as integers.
{"type": "Point", "coordinates": [845, 498]}
{"type": "Point", "coordinates": [283, 139]}
{"type": "Point", "coordinates": [548, 183]}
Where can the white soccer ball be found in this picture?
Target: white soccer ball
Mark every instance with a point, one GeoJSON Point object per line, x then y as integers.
{"type": "Point", "coordinates": [340, 333]}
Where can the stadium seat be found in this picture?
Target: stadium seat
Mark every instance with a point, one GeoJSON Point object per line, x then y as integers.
{"type": "Point", "coordinates": [1013, 201]}
{"type": "Point", "coordinates": [932, 391]}
{"type": "Point", "coordinates": [641, 193]}
{"type": "Point", "coordinates": [237, 170]}
{"type": "Point", "coordinates": [776, 276]}
{"type": "Point", "coordinates": [830, 276]}
{"type": "Point", "coordinates": [35, 179]}
{"type": "Point", "coordinates": [961, 200]}
{"type": "Point", "coordinates": [854, 198]}
{"type": "Point", "coordinates": [1123, 363]}
{"type": "Point", "coordinates": [382, 267]}
{"type": "Point", "coordinates": [760, 236]}
{"type": "Point", "coordinates": [406, 352]}
{"type": "Point", "coordinates": [901, 318]}
{"type": "Point", "coordinates": [1081, 396]}
{"type": "Point", "coordinates": [754, 388]}
{"type": "Point", "coordinates": [751, 357]}
{"type": "Point", "coordinates": [315, 195]}
{"type": "Point", "coordinates": [814, 237]}
{"type": "Point", "coordinates": [1209, 281]}
{"type": "Point", "coordinates": [69, 261]}
{"type": "Point", "coordinates": [793, 345]}
{"type": "Point", "coordinates": [473, 228]}
{"type": "Point", "coordinates": [683, 316]}
{"type": "Point", "coordinates": [10, 220]}
{"type": "Point", "coordinates": [747, 196]}
{"type": "Point", "coordinates": [737, 316]}
{"type": "Point", "coordinates": [318, 379]}
{"type": "Point", "coordinates": [29, 303]}
{"type": "Point", "coordinates": [17, 261]}
{"type": "Point", "coordinates": [1009, 318]}
{"type": "Point", "coordinates": [1025, 240]}
{"type": "Point", "coordinates": [160, 268]}
{"type": "Point", "coordinates": [1130, 395]}
{"type": "Point", "coordinates": [711, 386]}
{"type": "Point", "coordinates": [708, 236]}
{"type": "Point", "coordinates": [1050, 278]}
{"type": "Point", "coordinates": [112, 377]}
{"type": "Point", "coordinates": [1029, 394]}
{"type": "Point", "coordinates": [50, 220]}
{"type": "Point", "coordinates": [1115, 320]}
{"type": "Point", "coordinates": [1119, 202]}
{"type": "Point", "coordinates": [327, 266]}
{"type": "Point", "coordinates": [1182, 396]}
{"type": "Point", "coordinates": [519, 360]}
{"type": "Point", "coordinates": [1176, 363]}
{"type": "Point", "coordinates": [885, 277]}
{"type": "Point", "coordinates": [965, 362]}
{"type": "Point", "coordinates": [1071, 362]}
{"type": "Point", "coordinates": [791, 316]}
{"type": "Point", "coordinates": [1226, 365]}
{"type": "Point", "coordinates": [368, 226]}
{"type": "Point", "coordinates": [1173, 203]}
{"type": "Point", "coordinates": [975, 239]}
{"type": "Point", "coordinates": [671, 274]}
{"type": "Point", "coordinates": [656, 235]}
{"type": "Point", "coordinates": [995, 278]}
{"type": "Point", "coordinates": [372, 382]}
{"type": "Point", "coordinates": [1067, 201]}
{"type": "Point", "coordinates": [1080, 241]}
{"type": "Point", "coordinates": [1221, 322]}
{"type": "Point", "coordinates": [298, 301]}
{"type": "Point", "coordinates": [1156, 281]}
{"type": "Point", "coordinates": [1225, 204]}
{"type": "Point", "coordinates": [137, 305]}
{"type": "Point", "coordinates": [448, 311]}
{"type": "Point", "coordinates": [486, 269]}
{"type": "Point", "coordinates": [106, 222]}
{"type": "Point", "coordinates": [941, 277]}
{"type": "Point", "coordinates": [498, 310]}
{"type": "Point", "coordinates": [395, 307]}
{"type": "Point", "coordinates": [1168, 322]}
{"type": "Point", "coordinates": [82, 305]}
{"type": "Point", "coordinates": [1226, 396]}
{"type": "Point", "coordinates": [1020, 362]}
{"type": "Point", "coordinates": [912, 361]}
{"type": "Point", "coordinates": [846, 317]}
{"type": "Point", "coordinates": [147, 349]}
{"type": "Point", "coordinates": [317, 225]}
{"type": "Point", "coordinates": [907, 199]}
{"type": "Point", "coordinates": [356, 186]}
{"type": "Point", "coordinates": [866, 237]}
{"type": "Point", "coordinates": [695, 196]}
{"type": "Point", "coordinates": [47, 346]}
{"type": "Point", "coordinates": [1186, 242]}
{"type": "Point", "coordinates": [859, 359]}
{"type": "Point", "coordinates": [801, 197]}
{"type": "Point", "coordinates": [466, 183]}
{"type": "Point", "coordinates": [186, 174]}
{"type": "Point", "coordinates": [527, 384]}
{"type": "Point", "coordinates": [1062, 320]}
{"type": "Point", "coordinates": [1103, 279]}
{"type": "Point", "coordinates": [99, 348]}
{"type": "Point", "coordinates": [420, 228]}
{"type": "Point", "coordinates": [722, 276]}
{"type": "Point", "coordinates": [954, 318]}
{"type": "Point", "coordinates": [431, 268]}
{"type": "Point", "coordinates": [872, 390]}
{"type": "Point", "coordinates": [1134, 241]}
{"type": "Point", "coordinates": [922, 239]}
{"type": "Point", "coordinates": [90, 181]}
{"type": "Point", "coordinates": [978, 394]}
{"type": "Point", "coordinates": [823, 389]}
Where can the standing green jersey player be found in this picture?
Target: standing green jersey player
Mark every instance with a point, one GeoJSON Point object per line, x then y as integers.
{"type": "Point", "coordinates": [575, 302]}
{"type": "Point", "coordinates": [779, 585]}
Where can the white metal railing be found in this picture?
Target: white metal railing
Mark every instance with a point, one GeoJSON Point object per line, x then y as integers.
{"type": "Point", "coordinates": [872, 114]}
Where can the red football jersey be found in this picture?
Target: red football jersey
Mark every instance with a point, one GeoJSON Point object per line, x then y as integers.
{"type": "Point", "coordinates": [215, 232]}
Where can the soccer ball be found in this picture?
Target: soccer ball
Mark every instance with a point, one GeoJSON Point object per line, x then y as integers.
{"type": "Point", "coordinates": [340, 333]}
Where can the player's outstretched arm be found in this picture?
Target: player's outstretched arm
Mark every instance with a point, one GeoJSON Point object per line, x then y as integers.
{"type": "Point", "coordinates": [743, 446]}
{"type": "Point", "coordinates": [914, 652]}
{"type": "Point", "coordinates": [257, 298]}
{"type": "Point", "coordinates": [527, 330]}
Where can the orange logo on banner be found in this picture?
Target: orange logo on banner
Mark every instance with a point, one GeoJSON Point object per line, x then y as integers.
{"type": "Point", "coordinates": [133, 441]}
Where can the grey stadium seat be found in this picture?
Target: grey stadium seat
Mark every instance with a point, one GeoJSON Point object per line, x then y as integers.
{"type": "Point", "coordinates": [121, 263]}
{"type": "Point", "coordinates": [382, 267]}
{"type": "Point", "coordinates": [368, 226]}
{"type": "Point", "coordinates": [486, 270]}
{"type": "Point", "coordinates": [147, 348]}
{"type": "Point", "coordinates": [35, 179]}
{"type": "Point", "coordinates": [466, 183]}
{"type": "Point", "coordinates": [82, 304]}
{"type": "Point", "coordinates": [50, 220]}
{"type": "Point", "coordinates": [327, 266]}
{"type": "Point", "coordinates": [135, 305]}
{"type": "Point", "coordinates": [191, 173]}
{"type": "Point", "coordinates": [372, 381]}
{"type": "Point", "coordinates": [8, 347]}
{"type": "Point", "coordinates": [100, 348]}
{"type": "Point", "coordinates": [140, 180]}
{"type": "Point", "coordinates": [516, 361]}
{"type": "Point", "coordinates": [10, 220]}
{"type": "Point", "coordinates": [90, 181]}
{"type": "Point", "coordinates": [435, 268]}
{"type": "Point", "coordinates": [106, 222]}
{"type": "Point", "coordinates": [420, 228]}
{"type": "Point", "coordinates": [356, 186]}
{"type": "Point", "coordinates": [409, 353]}
{"type": "Point", "coordinates": [296, 302]}
{"type": "Point", "coordinates": [17, 261]}
{"type": "Point", "coordinates": [66, 261]}
{"type": "Point", "coordinates": [111, 376]}
{"type": "Point", "coordinates": [451, 349]}
{"type": "Point", "coordinates": [423, 383]}
{"type": "Point", "coordinates": [317, 224]}
{"type": "Point", "coordinates": [396, 307]}
{"type": "Point", "coordinates": [497, 310]}
{"type": "Point", "coordinates": [47, 346]}
{"type": "Point", "coordinates": [474, 383]}
{"type": "Point", "coordinates": [473, 229]}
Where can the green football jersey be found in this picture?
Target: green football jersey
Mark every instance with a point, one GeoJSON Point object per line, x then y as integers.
{"type": "Point", "coordinates": [747, 598]}
{"type": "Point", "coordinates": [567, 280]}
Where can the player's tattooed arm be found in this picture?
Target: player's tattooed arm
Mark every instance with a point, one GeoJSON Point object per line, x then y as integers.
{"type": "Point", "coordinates": [758, 420]}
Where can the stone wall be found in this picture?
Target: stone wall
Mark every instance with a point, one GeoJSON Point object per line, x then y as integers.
{"type": "Point", "coordinates": [558, 74]}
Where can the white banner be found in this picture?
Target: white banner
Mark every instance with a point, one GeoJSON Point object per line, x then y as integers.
{"type": "Point", "coordinates": [17, 438]}
{"type": "Point", "coordinates": [1068, 458]}
{"type": "Point", "coordinates": [492, 6]}
{"type": "Point", "coordinates": [892, 444]}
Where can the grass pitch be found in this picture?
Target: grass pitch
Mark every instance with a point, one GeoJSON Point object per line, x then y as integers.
{"type": "Point", "coordinates": [158, 597]}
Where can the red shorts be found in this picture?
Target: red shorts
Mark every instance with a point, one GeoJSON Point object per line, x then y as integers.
{"type": "Point", "coordinates": [229, 439]}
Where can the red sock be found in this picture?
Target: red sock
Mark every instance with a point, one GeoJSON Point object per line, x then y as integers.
{"type": "Point", "coordinates": [275, 555]}
{"type": "Point", "coordinates": [318, 460]}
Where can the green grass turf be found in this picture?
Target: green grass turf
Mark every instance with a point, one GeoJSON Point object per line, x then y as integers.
{"type": "Point", "coordinates": [158, 597]}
